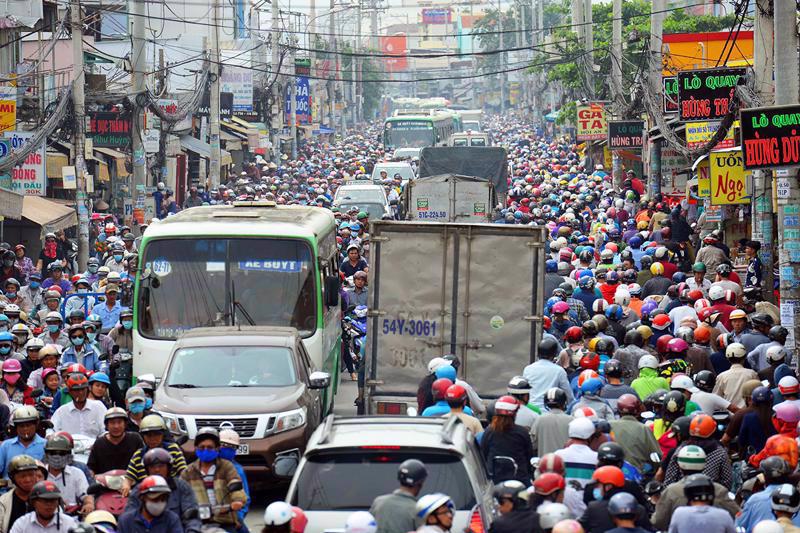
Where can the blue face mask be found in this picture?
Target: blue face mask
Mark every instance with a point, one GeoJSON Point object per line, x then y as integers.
{"type": "Point", "coordinates": [136, 408]}
{"type": "Point", "coordinates": [35, 284]}
{"type": "Point", "coordinates": [597, 494]}
{"type": "Point", "coordinates": [93, 269]}
{"type": "Point", "coordinates": [11, 294]}
{"type": "Point", "coordinates": [5, 350]}
{"type": "Point", "coordinates": [227, 453]}
{"type": "Point", "coordinates": [207, 456]}
{"type": "Point", "coordinates": [148, 403]}
{"type": "Point", "coordinates": [92, 336]}
{"type": "Point", "coordinates": [127, 324]}
{"type": "Point", "coordinates": [53, 328]}
{"type": "Point", "coordinates": [117, 258]}
{"type": "Point", "coordinates": [77, 341]}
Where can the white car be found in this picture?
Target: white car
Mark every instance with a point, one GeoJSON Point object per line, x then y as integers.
{"type": "Point", "coordinates": [392, 168]}
{"type": "Point", "coordinates": [364, 196]}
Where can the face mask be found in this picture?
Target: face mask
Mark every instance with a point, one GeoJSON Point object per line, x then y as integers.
{"type": "Point", "coordinates": [5, 350]}
{"type": "Point", "coordinates": [8, 263]}
{"type": "Point", "coordinates": [59, 462]}
{"type": "Point", "coordinates": [597, 494]}
{"type": "Point", "coordinates": [207, 456]}
{"type": "Point", "coordinates": [35, 284]}
{"type": "Point", "coordinates": [127, 324]}
{"type": "Point", "coordinates": [227, 453]}
{"type": "Point", "coordinates": [11, 379]}
{"type": "Point", "coordinates": [82, 291]}
{"type": "Point", "coordinates": [155, 508]}
{"type": "Point", "coordinates": [4, 327]}
{"type": "Point", "coordinates": [77, 341]}
{"type": "Point", "coordinates": [148, 403]}
{"type": "Point", "coordinates": [92, 336]}
{"type": "Point", "coordinates": [11, 294]}
{"type": "Point", "coordinates": [117, 258]}
{"type": "Point", "coordinates": [136, 408]}
{"type": "Point", "coordinates": [53, 328]}
{"type": "Point", "coordinates": [93, 269]}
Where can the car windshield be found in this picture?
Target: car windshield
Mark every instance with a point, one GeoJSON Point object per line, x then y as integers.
{"type": "Point", "coordinates": [460, 142]}
{"type": "Point", "coordinates": [374, 211]}
{"type": "Point", "coordinates": [207, 282]}
{"type": "Point", "coordinates": [405, 172]}
{"type": "Point", "coordinates": [326, 481]}
{"type": "Point", "coordinates": [248, 366]}
{"type": "Point", "coordinates": [477, 141]}
{"type": "Point", "coordinates": [359, 196]}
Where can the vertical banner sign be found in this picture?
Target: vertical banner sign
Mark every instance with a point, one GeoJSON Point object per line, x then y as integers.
{"type": "Point", "coordinates": [8, 108]}
{"type": "Point", "coordinates": [703, 179]}
{"type": "Point", "coordinates": [303, 99]}
{"type": "Point", "coordinates": [771, 136]}
{"type": "Point", "coordinates": [706, 94]}
{"type": "Point", "coordinates": [728, 178]}
{"type": "Point", "coordinates": [625, 134]}
{"type": "Point", "coordinates": [69, 178]}
{"type": "Point", "coordinates": [237, 79]}
{"type": "Point", "coordinates": [30, 178]}
{"type": "Point", "coordinates": [397, 46]}
{"type": "Point", "coordinates": [592, 121]}
{"type": "Point", "coordinates": [670, 94]}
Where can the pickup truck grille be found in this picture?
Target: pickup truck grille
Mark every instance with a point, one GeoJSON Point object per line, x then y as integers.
{"type": "Point", "coordinates": [245, 427]}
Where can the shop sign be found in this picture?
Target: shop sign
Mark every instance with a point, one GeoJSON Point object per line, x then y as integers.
{"type": "Point", "coordinates": [771, 136]}
{"type": "Point", "coordinates": [8, 108]}
{"type": "Point", "coordinates": [699, 133]}
{"type": "Point", "coordinates": [728, 178]}
{"type": "Point", "coordinates": [669, 94]}
{"type": "Point", "coordinates": [706, 94]}
{"type": "Point", "coordinates": [592, 121]}
{"type": "Point", "coordinates": [625, 134]}
{"type": "Point", "coordinates": [109, 130]}
{"type": "Point", "coordinates": [29, 178]}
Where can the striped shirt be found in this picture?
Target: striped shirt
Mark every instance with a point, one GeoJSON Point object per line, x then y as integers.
{"type": "Point", "coordinates": [580, 462]}
{"type": "Point", "coordinates": [136, 470]}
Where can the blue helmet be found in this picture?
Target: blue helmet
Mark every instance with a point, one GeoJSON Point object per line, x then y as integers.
{"type": "Point", "coordinates": [678, 277]}
{"type": "Point", "coordinates": [5, 336]}
{"type": "Point", "coordinates": [551, 265]}
{"type": "Point", "coordinates": [614, 312]}
{"type": "Point", "coordinates": [446, 372]}
{"type": "Point", "coordinates": [99, 377]}
{"type": "Point", "coordinates": [591, 386]}
{"type": "Point", "coordinates": [622, 504]}
{"type": "Point", "coordinates": [635, 242]}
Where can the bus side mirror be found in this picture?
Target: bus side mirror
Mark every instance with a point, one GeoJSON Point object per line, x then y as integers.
{"type": "Point", "coordinates": [332, 291]}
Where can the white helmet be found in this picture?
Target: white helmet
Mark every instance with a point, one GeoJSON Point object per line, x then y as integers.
{"type": "Point", "coordinates": [735, 350]}
{"type": "Point", "coordinates": [648, 361]}
{"type": "Point", "coordinates": [436, 363]}
{"type": "Point", "coordinates": [278, 514]}
{"type": "Point", "coordinates": [683, 382]}
{"type": "Point", "coordinates": [691, 458]}
{"type": "Point", "coordinates": [34, 342]}
{"type": "Point", "coordinates": [716, 292]}
{"type": "Point", "coordinates": [551, 514]}
{"type": "Point", "coordinates": [622, 297]}
{"type": "Point", "coordinates": [768, 526]}
{"type": "Point", "coordinates": [228, 435]}
{"type": "Point", "coordinates": [776, 353]}
{"type": "Point", "coordinates": [360, 522]}
{"type": "Point", "coordinates": [429, 503]}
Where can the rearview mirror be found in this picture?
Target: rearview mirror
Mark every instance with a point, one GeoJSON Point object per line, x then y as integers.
{"type": "Point", "coordinates": [284, 466]}
{"type": "Point", "coordinates": [504, 467]}
{"type": "Point", "coordinates": [331, 291]}
{"type": "Point", "coordinates": [319, 380]}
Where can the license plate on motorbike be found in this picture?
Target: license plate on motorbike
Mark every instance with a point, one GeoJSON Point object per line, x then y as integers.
{"type": "Point", "coordinates": [243, 449]}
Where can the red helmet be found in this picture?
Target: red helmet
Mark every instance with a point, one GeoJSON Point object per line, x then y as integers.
{"type": "Point", "coordinates": [548, 483]}
{"type": "Point", "coordinates": [77, 381]}
{"type": "Point", "coordinates": [662, 344]}
{"type": "Point", "coordinates": [709, 315]}
{"type": "Point", "coordinates": [629, 404]}
{"type": "Point", "coordinates": [299, 520]}
{"type": "Point", "coordinates": [695, 294]}
{"type": "Point", "coordinates": [609, 475]}
{"type": "Point", "coordinates": [455, 393]}
{"type": "Point", "coordinates": [590, 361]}
{"type": "Point", "coordinates": [677, 346]}
{"type": "Point", "coordinates": [702, 334]}
{"type": "Point", "coordinates": [439, 388]}
{"type": "Point", "coordinates": [154, 485]}
{"type": "Point", "coordinates": [76, 368]}
{"type": "Point", "coordinates": [573, 334]}
{"type": "Point", "coordinates": [506, 405]}
{"type": "Point", "coordinates": [547, 322]}
{"type": "Point", "coordinates": [662, 321]}
{"type": "Point", "coordinates": [560, 307]}
{"type": "Point", "coordinates": [551, 462]}
{"type": "Point", "coordinates": [587, 374]}
{"type": "Point", "coordinates": [702, 426]}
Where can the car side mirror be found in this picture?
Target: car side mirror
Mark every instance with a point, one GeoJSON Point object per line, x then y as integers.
{"type": "Point", "coordinates": [319, 380]}
{"type": "Point", "coordinates": [332, 291]}
{"type": "Point", "coordinates": [284, 466]}
{"type": "Point", "coordinates": [504, 467]}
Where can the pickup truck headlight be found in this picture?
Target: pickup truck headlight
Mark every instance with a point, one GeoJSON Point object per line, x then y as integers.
{"type": "Point", "coordinates": [175, 424]}
{"type": "Point", "coordinates": [290, 420]}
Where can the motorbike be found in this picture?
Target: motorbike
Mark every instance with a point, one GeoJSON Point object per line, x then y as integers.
{"type": "Point", "coordinates": [107, 492]}
{"type": "Point", "coordinates": [354, 334]}
{"type": "Point", "coordinates": [206, 512]}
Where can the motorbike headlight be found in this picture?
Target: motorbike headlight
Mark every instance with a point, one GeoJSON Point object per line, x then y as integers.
{"type": "Point", "coordinates": [290, 420]}
{"type": "Point", "coordinates": [175, 424]}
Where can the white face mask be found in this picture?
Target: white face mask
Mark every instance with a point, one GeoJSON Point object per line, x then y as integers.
{"type": "Point", "coordinates": [155, 508]}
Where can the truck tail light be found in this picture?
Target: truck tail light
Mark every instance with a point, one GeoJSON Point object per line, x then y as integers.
{"type": "Point", "coordinates": [391, 408]}
{"type": "Point", "coordinates": [476, 521]}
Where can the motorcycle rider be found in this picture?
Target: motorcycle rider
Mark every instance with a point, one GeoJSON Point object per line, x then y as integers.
{"type": "Point", "coordinates": [785, 504]}
{"type": "Point", "coordinates": [504, 438]}
{"type": "Point", "coordinates": [73, 483]}
{"type": "Point", "coordinates": [136, 402]}
{"type": "Point", "coordinates": [278, 517]}
{"type": "Point", "coordinates": [153, 431]}
{"type": "Point", "coordinates": [700, 513]}
{"type": "Point", "coordinates": [551, 429]}
{"type": "Point", "coordinates": [229, 442]}
{"type": "Point", "coordinates": [545, 374]}
{"type": "Point", "coordinates": [122, 334]}
{"type": "Point", "coordinates": [608, 481]}
{"type": "Point", "coordinates": [45, 499]}
{"type": "Point", "coordinates": [113, 449]}
{"type": "Point", "coordinates": [624, 511]}
{"type": "Point", "coordinates": [515, 515]}
{"type": "Point", "coordinates": [209, 464]}
{"type": "Point", "coordinates": [81, 415]}
{"type": "Point", "coordinates": [758, 506]}
{"type": "Point", "coordinates": [81, 351]}
{"type": "Point", "coordinates": [434, 513]}
{"type": "Point", "coordinates": [158, 462]}
{"type": "Point", "coordinates": [153, 515]}
{"type": "Point", "coordinates": [395, 512]}
{"type": "Point", "coordinates": [23, 472]}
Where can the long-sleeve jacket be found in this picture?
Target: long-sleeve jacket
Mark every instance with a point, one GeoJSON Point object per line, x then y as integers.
{"type": "Point", "coordinates": [224, 474]}
{"type": "Point", "coordinates": [180, 500]}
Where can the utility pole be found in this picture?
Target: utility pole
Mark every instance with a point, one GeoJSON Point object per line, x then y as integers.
{"type": "Point", "coordinates": [79, 137]}
{"type": "Point", "coordinates": [763, 213]}
{"type": "Point", "coordinates": [276, 123]}
{"type": "Point", "coordinates": [213, 118]}
{"type": "Point", "coordinates": [293, 105]}
{"type": "Point", "coordinates": [334, 62]}
{"type": "Point", "coordinates": [504, 57]}
{"type": "Point", "coordinates": [616, 83]}
{"type": "Point", "coordinates": [373, 24]}
{"type": "Point", "coordinates": [654, 79]}
{"type": "Point", "coordinates": [355, 62]}
{"type": "Point", "coordinates": [138, 52]}
{"type": "Point", "coordinates": [588, 43]}
{"type": "Point", "coordinates": [787, 92]}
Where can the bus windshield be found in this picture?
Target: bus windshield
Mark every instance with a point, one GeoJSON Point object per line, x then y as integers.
{"type": "Point", "coordinates": [409, 134]}
{"type": "Point", "coordinates": [208, 282]}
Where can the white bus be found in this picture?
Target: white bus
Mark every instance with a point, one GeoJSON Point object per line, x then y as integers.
{"type": "Point", "coordinates": [251, 263]}
{"type": "Point", "coordinates": [417, 130]}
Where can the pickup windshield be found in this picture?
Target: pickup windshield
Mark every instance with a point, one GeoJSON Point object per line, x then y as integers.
{"type": "Point", "coordinates": [207, 282]}
{"type": "Point", "coordinates": [250, 366]}
{"type": "Point", "coordinates": [326, 481]}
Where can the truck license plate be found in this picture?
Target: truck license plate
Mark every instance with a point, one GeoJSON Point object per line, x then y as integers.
{"type": "Point", "coordinates": [243, 449]}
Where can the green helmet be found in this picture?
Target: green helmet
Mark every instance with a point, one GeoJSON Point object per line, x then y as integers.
{"type": "Point", "coordinates": [362, 214]}
{"type": "Point", "coordinates": [46, 490]}
{"type": "Point", "coordinates": [699, 267]}
{"type": "Point", "coordinates": [57, 443]}
{"type": "Point", "coordinates": [152, 423]}
{"type": "Point", "coordinates": [20, 463]}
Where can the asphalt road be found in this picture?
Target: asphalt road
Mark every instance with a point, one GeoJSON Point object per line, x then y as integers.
{"type": "Point", "coordinates": [343, 406]}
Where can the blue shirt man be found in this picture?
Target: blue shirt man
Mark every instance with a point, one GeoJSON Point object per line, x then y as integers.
{"type": "Point", "coordinates": [543, 375]}
{"type": "Point", "coordinates": [109, 314]}
{"type": "Point", "coordinates": [758, 507]}
{"type": "Point", "coordinates": [442, 408]}
{"type": "Point", "coordinates": [14, 447]}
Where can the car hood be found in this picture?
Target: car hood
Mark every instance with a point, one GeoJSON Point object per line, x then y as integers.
{"type": "Point", "coordinates": [228, 400]}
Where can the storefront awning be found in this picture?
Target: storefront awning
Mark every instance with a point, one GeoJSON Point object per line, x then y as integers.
{"type": "Point", "coordinates": [119, 160]}
{"type": "Point", "coordinates": [236, 128]}
{"type": "Point", "coordinates": [204, 150]}
{"type": "Point", "coordinates": [51, 216]}
{"type": "Point", "coordinates": [10, 204]}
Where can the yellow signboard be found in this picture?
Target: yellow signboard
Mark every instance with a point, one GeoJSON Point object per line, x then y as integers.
{"type": "Point", "coordinates": [699, 133]}
{"type": "Point", "coordinates": [592, 121]}
{"type": "Point", "coordinates": [728, 178]}
{"type": "Point", "coordinates": [8, 109]}
{"type": "Point", "coordinates": [703, 179]}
